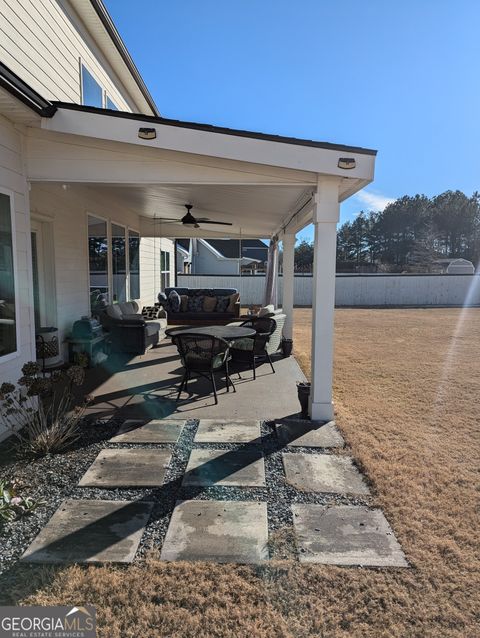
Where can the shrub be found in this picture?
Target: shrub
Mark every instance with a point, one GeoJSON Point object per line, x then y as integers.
{"type": "Point", "coordinates": [12, 505]}
{"type": "Point", "coordinates": [40, 411]}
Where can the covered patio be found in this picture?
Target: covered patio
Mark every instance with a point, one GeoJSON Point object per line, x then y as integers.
{"type": "Point", "coordinates": [263, 185]}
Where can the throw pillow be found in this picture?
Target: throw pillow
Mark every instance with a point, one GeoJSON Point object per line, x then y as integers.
{"type": "Point", "coordinates": [195, 304]}
{"type": "Point", "coordinates": [209, 304]}
{"type": "Point", "coordinates": [222, 304]}
{"type": "Point", "coordinates": [233, 300]}
{"type": "Point", "coordinates": [174, 301]}
{"type": "Point", "coordinates": [163, 300]}
{"type": "Point", "coordinates": [266, 310]}
{"type": "Point", "coordinates": [150, 312]}
{"type": "Point", "coordinates": [184, 303]}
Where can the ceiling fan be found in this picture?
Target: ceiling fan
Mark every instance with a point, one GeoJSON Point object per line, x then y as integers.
{"type": "Point", "coordinates": [189, 220]}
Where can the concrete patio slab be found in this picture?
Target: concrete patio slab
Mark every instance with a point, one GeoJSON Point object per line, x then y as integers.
{"type": "Point", "coordinates": [345, 535]}
{"type": "Point", "coordinates": [220, 531]}
{"type": "Point", "coordinates": [241, 468]}
{"type": "Point", "coordinates": [84, 531]}
{"type": "Point", "coordinates": [154, 431]}
{"type": "Point", "coordinates": [145, 387]}
{"type": "Point", "coordinates": [299, 433]}
{"type": "Point", "coordinates": [132, 467]}
{"type": "Point", "coordinates": [227, 431]}
{"type": "Point", "coordinates": [324, 473]}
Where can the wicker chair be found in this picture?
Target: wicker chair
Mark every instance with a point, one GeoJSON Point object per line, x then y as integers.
{"type": "Point", "coordinates": [265, 343]}
{"type": "Point", "coordinates": [203, 355]}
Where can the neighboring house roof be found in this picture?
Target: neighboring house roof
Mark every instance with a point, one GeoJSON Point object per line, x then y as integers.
{"type": "Point", "coordinates": [230, 248]}
{"type": "Point", "coordinates": [184, 243]}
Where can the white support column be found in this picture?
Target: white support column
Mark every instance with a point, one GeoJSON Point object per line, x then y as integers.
{"type": "Point", "coordinates": [325, 218]}
{"type": "Point", "coordinates": [288, 282]}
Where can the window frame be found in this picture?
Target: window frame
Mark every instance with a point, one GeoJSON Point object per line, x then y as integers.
{"type": "Point", "coordinates": [165, 272]}
{"type": "Point", "coordinates": [109, 256]}
{"type": "Point", "coordinates": [127, 258]}
{"type": "Point", "coordinates": [109, 221]}
{"type": "Point", "coordinates": [85, 66]}
{"type": "Point", "coordinates": [130, 228]}
{"type": "Point", "coordinates": [16, 353]}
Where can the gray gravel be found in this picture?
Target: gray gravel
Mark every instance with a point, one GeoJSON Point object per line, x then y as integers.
{"type": "Point", "coordinates": [55, 478]}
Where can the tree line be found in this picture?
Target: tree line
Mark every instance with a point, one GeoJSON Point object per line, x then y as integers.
{"type": "Point", "coordinates": [410, 235]}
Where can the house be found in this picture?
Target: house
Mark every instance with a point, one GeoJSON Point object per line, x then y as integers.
{"type": "Point", "coordinates": [88, 169]}
{"type": "Point", "coordinates": [221, 256]}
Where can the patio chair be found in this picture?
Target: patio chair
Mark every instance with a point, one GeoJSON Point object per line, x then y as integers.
{"type": "Point", "coordinates": [262, 345]}
{"type": "Point", "coordinates": [203, 355]}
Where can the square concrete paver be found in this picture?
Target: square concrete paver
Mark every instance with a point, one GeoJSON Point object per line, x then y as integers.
{"type": "Point", "coordinates": [227, 431]}
{"type": "Point", "coordinates": [324, 473]}
{"type": "Point", "coordinates": [307, 434]}
{"type": "Point", "coordinates": [91, 531]}
{"type": "Point", "coordinates": [345, 535]}
{"type": "Point", "coordinates": [220, 531]}
{"type": "Point", "coordinates": [131, 467]}
{"type": "Point", "coordinates": [155, 431]}
{"type": "Point", "coordinates": [243, 468]}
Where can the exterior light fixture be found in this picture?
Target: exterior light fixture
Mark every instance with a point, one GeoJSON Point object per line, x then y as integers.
{"type": "Point", "coordinates": [346, 162]}
{"type": "Point", "coordinates": [147, 133]}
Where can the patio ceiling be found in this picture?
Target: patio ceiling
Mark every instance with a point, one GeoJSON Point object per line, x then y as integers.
{"type": "Point", "coordinates": [259, 183]}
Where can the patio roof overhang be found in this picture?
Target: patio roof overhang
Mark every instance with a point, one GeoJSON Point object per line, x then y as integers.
{"type": "Point", "coordinates": [262, 184]}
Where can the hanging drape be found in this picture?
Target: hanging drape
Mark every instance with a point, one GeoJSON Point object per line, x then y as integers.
{"type": "Point", "coordinates": [270, 296]}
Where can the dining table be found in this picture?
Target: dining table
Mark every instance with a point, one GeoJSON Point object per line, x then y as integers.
{"type": "Point", "coordinates": [229, 333]}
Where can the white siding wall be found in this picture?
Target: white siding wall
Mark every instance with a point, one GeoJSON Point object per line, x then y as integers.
{"type": "Point", "coordinates": [42, 42]}
{"type": "Point", "coordinates": [150, 275]}
{"type": "Point", "coordinates": [12, 178]}
{"type": "Point", "coordinates": [359, 290]}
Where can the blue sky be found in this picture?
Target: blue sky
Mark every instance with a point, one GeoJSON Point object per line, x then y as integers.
{"type": "Point", "coordinates": [400, 76]}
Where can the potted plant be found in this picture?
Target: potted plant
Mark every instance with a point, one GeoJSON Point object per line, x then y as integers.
{"type": "Point", "coordinates": [287, 346]}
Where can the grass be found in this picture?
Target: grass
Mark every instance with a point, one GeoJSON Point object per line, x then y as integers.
{"type": "Point", "coordinates": [406, 392]}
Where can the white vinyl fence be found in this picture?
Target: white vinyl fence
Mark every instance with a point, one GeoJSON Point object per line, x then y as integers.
{"type": "Point", "coordinates": [357, 290]}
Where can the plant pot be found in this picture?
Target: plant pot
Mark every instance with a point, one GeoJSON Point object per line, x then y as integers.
{"type": "Point", "coordinates": [287, 345]}
{"type": "Point", "coordinates": [303, 390]}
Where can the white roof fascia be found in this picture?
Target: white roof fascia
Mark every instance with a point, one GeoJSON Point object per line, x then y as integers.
{"type": "Point", "coordinates": [121, 128]}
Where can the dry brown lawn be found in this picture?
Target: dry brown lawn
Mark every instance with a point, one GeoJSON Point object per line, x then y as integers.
{"type": "Point", "coordinates": [406, 391]}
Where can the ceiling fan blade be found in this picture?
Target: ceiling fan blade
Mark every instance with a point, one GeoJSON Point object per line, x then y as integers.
{"type": "Point", "coordinates": [206, 221]}
{"type": "Point", "coordinates": [166, 219]}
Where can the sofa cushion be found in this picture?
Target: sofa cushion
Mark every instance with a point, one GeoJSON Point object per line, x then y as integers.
{"type": "Point", "coordinates": [195, 304]}
{"type": "Point", "coordinates": [128, 307]}
{"type": "Point", "coordinates": [114, 311]}
{"type": "Point", "coordinates": [233, 300]}
{"type": "Point", "coordinates": [162, 299]}
{"type": "Point", "coordinates": [184, 303]}
{"type": "Point", "coordinates": [222, 304]}
{"type": "Point", "coordinates": [174, 301]}
{"type": "Point", "coordinates": [209, 304]}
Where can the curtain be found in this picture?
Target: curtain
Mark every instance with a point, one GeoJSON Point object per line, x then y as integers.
{"type": "Point", "coordinates": [272, 274]}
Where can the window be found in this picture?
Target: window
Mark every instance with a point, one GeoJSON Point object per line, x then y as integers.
{"type": "Point", "coordinates": [119, 263]}
{"type": "Point", "coordinates": [92, 92]}
{"type": "Point", "coordinates": [8, 315]}
{"type": "Point", "coordinates": [164, 269]}
{"type": "Point", "coordinates": [98, 262]}
{"type": "Point", "coordinates": [134, 263]}
{"type": "Point", "coordinates": [109, 104]}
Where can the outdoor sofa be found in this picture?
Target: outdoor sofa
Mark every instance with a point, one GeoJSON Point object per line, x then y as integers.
{"type": "Point", "coordinates": [200, 306]}
{"type": "Point", "coordinates": [131, 331]}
